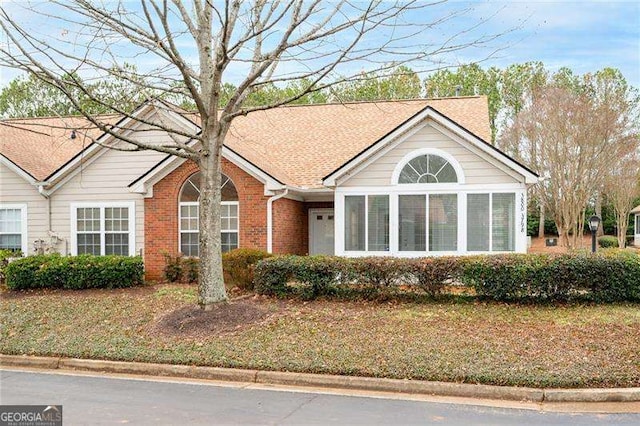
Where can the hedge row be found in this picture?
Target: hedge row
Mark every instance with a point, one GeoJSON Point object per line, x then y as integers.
{"type": "Point", "coordinates": [604, 277]}
{"type": "Point", "coordinates": [74, 272]}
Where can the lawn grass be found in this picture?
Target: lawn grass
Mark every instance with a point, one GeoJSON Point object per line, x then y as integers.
{"type": "Point", "coordinates": [474, 342]}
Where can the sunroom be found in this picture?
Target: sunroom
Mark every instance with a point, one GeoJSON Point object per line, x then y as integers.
{"type": "Point", "coordinates": [436, 191]}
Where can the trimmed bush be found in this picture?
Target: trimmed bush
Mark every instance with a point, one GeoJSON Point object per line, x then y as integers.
{"type": "Point", "coordinates": [74, 272]}
{"type": "Point", "coordinates": [239, 264]}
{"type": "Point", "coordinates": [608, 276]}
{"type": "Point", "coordinates": [5, 256]}
{"type": "Point", "coordinates": [608, 241]}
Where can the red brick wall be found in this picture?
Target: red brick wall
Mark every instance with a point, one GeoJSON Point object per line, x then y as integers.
{"type": "Point", "coordinates": [161, 214]}
{"type": "Point", "coordinates": [291, 225]}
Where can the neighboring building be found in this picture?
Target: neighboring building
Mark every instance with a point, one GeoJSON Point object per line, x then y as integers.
{"type": "Point", "coordinates": [636, 226]}
{"type": "Point", "coordinates": [400, 178]}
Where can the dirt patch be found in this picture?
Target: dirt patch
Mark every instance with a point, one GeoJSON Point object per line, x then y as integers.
{"type": "Point", "coordinates": [191, 321]}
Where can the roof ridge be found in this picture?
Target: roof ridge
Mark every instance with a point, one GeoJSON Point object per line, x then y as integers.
{"type": "Point", "coordinates": [379, 101]}
{"type": "Point", "coordinates": [185, 111]}
{"type": "Point", "coordinates": [59, 117]}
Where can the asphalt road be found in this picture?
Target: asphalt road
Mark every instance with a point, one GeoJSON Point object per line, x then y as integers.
{"type": "Point", "coordinates": [90, 400]}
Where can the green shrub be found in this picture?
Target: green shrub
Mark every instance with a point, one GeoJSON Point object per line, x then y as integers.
{"type": "Point", "coordinates": [432, 274]}
{"type": "Point", "coordinates": [74, 272]}
{"type": "Point", "coordinates": [5, 255]}
{"type": "Point", "coordinates": [238, 266]}
{"type": "Point", "coordinates": [608, 241]}
{"type": "Point", "coordinates": [608, 276]}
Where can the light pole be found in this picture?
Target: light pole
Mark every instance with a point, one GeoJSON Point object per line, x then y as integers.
{"type": "Point", "coordinates": [594, 223]}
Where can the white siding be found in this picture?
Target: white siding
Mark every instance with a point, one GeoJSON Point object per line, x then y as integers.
{"type": "Point", "coordinates": [477, 170]}
{"type": "Point", "coordinates": [104, 180]}
{"type": "Point", "coordinates": [15, 190]}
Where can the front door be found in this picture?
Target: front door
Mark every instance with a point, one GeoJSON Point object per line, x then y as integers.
{"type": "Point", "coordinates": [321, 231]}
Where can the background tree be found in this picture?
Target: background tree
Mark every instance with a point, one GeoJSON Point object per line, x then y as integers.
{"type": "Point", "coordinates": [469, 80]}
{"type": "Point", "coordinates": [577, 140]}
{"type": "Point", "coordinates": [396, 83]}
{"type": "Point", "coordinates": [622, 187]}
{"type": "Point", "coordinates": [191, 49]}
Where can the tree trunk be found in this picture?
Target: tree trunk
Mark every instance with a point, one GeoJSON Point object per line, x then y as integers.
{"type": "Point", "coordinates": [623, 225]}
{"type": "Point", "coordinates": [541, 233]}
{"type": "Point", "coordinates": [211, 287]}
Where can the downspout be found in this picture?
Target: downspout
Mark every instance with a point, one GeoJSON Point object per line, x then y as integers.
{"type": "Point", "coordinates": [270, 218]}
{"type": "Point", "coordinates": [48, 198]}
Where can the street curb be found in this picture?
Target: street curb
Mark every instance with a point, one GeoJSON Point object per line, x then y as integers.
{"type": "Point", "coordinates": [419, 387]}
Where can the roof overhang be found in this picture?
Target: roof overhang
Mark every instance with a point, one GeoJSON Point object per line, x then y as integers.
{"type": "Point", "coordinates": [94, 150]}
{"type": "Point", "coordinates": [144, 183]}
{"type": "Point", "coordinates": [409, 127]}
{"type": "Point", "coordinates": [18, 170]}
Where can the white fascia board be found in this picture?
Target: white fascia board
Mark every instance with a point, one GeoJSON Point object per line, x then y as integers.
{"type": "Point", "coordinates": [530, 178]}
{"type": "Point", "coordinates": [145, 185]}
{"type": "Point", "coordinates": [405, 130]}
{"type": "Point", "coordinates": [331, 180]}
{"type": "Point", "coordinates": [17, 170]}
{"type": "Point", "coordinates": [72, 168]}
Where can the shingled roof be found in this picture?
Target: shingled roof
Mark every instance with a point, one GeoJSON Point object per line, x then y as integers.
{"type": "Point", "coordinates": [298, 145]}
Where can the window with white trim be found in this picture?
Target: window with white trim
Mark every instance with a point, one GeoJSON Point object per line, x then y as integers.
{"type": "Point", "coordinates": [491, 222]}
{"type": "Point", "coordinates": [103, 229]}
{"type": "Point", "coordinates": [189, 230]}
{"type": "Point", "coordinates": [13, 227]}
{"type": "Point", "coordinates": [428, 168]}
{"type": "Point", "coordinates": [428, 218]}
{"type": "Point", "coordinates": [367, 223]}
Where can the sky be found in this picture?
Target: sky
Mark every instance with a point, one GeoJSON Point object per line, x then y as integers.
{"type": "Point", "coordinates": [585, 36]}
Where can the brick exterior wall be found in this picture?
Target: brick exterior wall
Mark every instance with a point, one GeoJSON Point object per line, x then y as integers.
{"type": "Point", "coordinates": [161, 214]}
{"type": "Point", "coordinates": [290, 217]}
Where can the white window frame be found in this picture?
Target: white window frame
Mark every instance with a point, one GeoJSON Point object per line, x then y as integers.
{"type": "Point", "coordinates": [130, 205]}
{"type": "Point", "coordinates": [24, 237]}
{"type": "Point", "coordinates": [393, 191]}
{"type": "Point", "coordinates": [366, 250]}
{"type": "Point", "coordinates": [197, 203]}
{"type": "Point", "coordinates": [395, 176]}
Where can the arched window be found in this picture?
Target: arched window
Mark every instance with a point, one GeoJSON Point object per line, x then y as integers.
{"type": "Point", "coordinates": [189, 212]}
{"type": "Point", "coordinates": [428, 168]}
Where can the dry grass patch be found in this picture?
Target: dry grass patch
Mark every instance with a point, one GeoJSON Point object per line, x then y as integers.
{"type": "Point", "coordinates": [561, 346]}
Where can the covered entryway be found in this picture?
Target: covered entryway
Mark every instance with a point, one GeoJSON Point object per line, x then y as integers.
{"type": "Point", "coordinates": [321, 231]}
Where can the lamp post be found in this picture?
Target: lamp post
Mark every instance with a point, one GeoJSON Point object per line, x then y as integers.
{"type": "Point", "coordinates": [594, 223]}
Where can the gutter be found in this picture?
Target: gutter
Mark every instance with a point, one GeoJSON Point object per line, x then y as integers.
{"type": "Point", "coordinates": [270, 218]}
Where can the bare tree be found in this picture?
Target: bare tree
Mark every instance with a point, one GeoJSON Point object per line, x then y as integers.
{"type": "Point", "coordinates": [622, 188]}
{"type": "Point", "coordinates": [576, 140]}
{"type": "Point", "coordinates": [192, 49]}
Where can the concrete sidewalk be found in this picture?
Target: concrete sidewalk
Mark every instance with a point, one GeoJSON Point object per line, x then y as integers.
{"type": "Point", "coordinates": [413, 387]}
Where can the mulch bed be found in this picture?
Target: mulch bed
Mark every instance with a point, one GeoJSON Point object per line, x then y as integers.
{"type": "Point", "coordinates": [192, 321]}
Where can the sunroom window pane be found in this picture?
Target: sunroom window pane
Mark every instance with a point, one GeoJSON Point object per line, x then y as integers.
{"type": "Point", "coordinates": [412, 220]}
{"type": "Point", "coordinates": [443, 222]}
{"type": "Point", "coordinates": [503, 210]}
{"type": "Point", "coordinates": [478, 225]}
{"type": "Point", "coordinates": [378, 223]}
{"type": "Point", "coordinates": [354, 222]}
